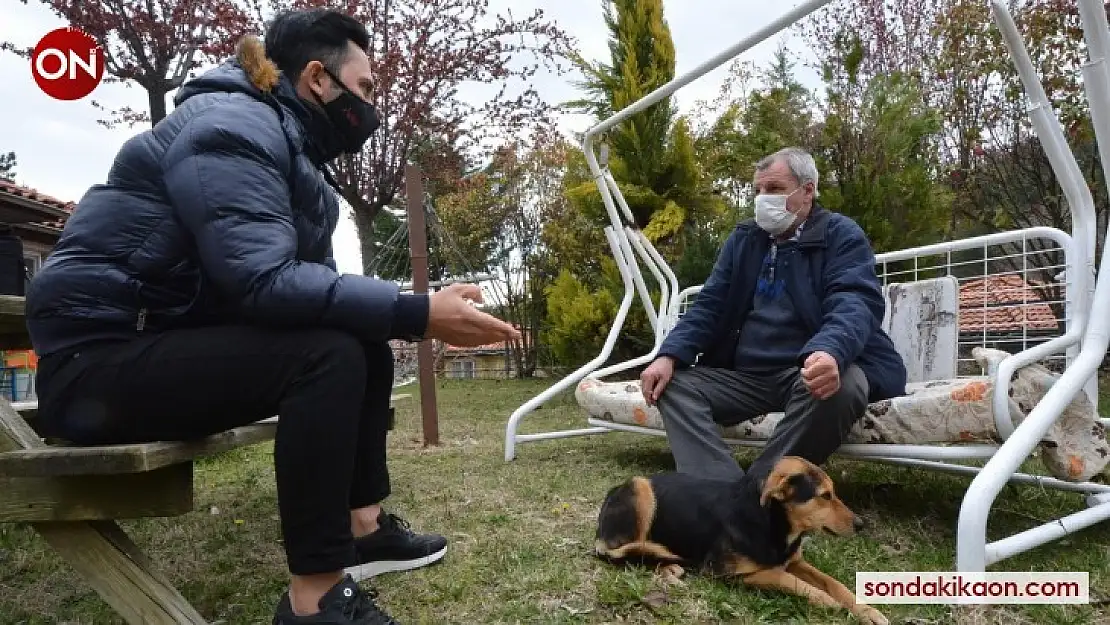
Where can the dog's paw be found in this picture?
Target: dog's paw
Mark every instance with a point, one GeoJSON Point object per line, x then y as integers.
{"type": "Point", "coordinates": [868, 615]}
{"type": "Point", "coordinates": [671, 574]}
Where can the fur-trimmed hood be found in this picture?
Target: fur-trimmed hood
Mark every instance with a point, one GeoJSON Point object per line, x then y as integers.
{"type": "Point", "coordinates": [249, 71]}
{"type": "Point", "coordinates": [260, 70]}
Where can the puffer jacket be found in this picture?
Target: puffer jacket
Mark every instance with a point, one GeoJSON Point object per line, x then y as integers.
{"type": "Point", "coordinates": [217, 215]}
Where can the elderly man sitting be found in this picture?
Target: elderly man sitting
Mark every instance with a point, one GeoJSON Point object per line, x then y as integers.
{"type": "Point", "coordinates": [788, 321]}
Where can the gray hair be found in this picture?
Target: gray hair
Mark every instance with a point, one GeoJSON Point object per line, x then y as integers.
{"type": "Point", "coordinates": [800, 162]}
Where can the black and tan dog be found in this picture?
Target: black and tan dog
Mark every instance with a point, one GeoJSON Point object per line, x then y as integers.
{"type": "Point", "coordinates": [737, 529]}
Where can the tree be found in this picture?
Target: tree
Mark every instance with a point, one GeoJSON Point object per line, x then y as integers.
{"type": "Point", "coordinates": [489, 221]}
{"type": "Point", "coordinates": [987, 154]}
{"type": "Point", "coordinates": [870, 38]}
{"type": "Point", "coordinates": [573, 234]}
{"type": "Point", "coordinates": [881, 135]}
{"type": "Point", "coordinates": [583, 319]}
{"type": "Point", "coordinates": [473, 217]}
{"type": "Point", "coordinates": [969, 55]}
{"type": "Point", "coordinates": [779, 115]}
{"type": "Point", "coordinates": [445, 170]}
{"type": "Point", "coordinates": [651, 154]}
{"type": "Point", "coordinates": [7, 166]}
{"type": "Point", "coordinates": [882, 165]}
{"type": "Point", "coordinates": [1006, 180]}
{"type": "Point", "coordinates": [423, 53]}
{"type": "Point", "coordinates": [642, 58]}
{"type": "Point", "coordinates": [155, 44]}
{"type": "Point", "coordinates": [763, 119]}
{"type": "Point", "coordinates": [579, 318]}
{"type": "Point", "coordinates": [521, 267]}
{"type": "Point", "coordinates": [653, 161]}
{"type": "Point", "coordinates": [497, 217]}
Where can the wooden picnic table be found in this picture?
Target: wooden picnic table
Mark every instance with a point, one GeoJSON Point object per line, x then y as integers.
{"type": "Point", "coordinates": [73, 496]}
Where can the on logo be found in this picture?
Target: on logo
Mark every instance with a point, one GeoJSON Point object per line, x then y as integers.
{"type": "Point", "coordinates": [67, 64]}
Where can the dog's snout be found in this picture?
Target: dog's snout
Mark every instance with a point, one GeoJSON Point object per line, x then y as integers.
{"type": "Point", "coordinates": [858, 523]}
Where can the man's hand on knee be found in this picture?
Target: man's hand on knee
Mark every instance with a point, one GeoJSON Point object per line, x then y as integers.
{"type": "Point", "coordinates": [821, 375]}
{"type": "Point", "coordinates": [655, 378]}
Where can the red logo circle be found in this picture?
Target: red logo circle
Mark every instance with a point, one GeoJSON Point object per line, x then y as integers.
{"type": "Point", "coordinates": [67, 64]}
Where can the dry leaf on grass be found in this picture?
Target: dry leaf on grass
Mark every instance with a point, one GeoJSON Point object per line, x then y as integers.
{"type": "Point", "coordinates": [576, 611]}
{"type": "Point", "coordinates": [656, 599]}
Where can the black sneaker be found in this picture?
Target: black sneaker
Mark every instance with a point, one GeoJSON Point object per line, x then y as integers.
{"type": "Point", "coordinates": [395, 547]}
{"type": "Point", "coordinates": [344, 604]}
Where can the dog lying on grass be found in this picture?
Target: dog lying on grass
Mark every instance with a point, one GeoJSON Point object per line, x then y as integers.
{"type": "Point", "coordinates": [735, 529]}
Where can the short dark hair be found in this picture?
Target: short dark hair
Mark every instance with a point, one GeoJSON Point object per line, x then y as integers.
{"type": "Point", "coordinates": [294, 38]}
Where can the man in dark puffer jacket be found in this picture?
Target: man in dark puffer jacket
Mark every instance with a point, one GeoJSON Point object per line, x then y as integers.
{"type": "Point", "coordinates": [194, 292]}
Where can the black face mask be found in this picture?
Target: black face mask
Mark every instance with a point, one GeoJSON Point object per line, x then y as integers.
{"type": "Point", "coordinates": [348, 121]}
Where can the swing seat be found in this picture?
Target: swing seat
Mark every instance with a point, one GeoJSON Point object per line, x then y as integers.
{"type": "Point", "coordinates": [939, 408]}
{"type": "Point", "coordinates": [937, 412]}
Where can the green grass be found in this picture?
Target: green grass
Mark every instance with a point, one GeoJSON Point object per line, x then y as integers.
{"type": "Point", "coordinates": [521, 534]}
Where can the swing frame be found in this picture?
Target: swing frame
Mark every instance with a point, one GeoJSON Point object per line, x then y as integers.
{"type": "Point", "coordinates": [1084, 341]}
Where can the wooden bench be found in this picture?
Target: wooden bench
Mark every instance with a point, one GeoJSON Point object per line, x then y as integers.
{"type": "Point", "coordinates": [73, 496]}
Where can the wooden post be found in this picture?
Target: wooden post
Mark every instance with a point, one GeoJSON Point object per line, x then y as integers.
{"type": "Point", "coordinates": [418, 247]}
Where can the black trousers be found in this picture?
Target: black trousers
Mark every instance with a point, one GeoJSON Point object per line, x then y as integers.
{"type": "Point", "coordinates": [331, 392]}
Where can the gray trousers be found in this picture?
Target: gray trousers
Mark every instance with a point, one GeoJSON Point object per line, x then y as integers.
{"type": "Point", "coordinates": [698, 399]}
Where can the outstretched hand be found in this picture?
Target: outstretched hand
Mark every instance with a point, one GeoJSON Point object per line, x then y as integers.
{"type": "Point", "coordinates": [453, 319]}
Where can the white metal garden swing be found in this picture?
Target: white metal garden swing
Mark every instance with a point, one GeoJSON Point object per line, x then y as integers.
{"type": "Point", "coordinates": [989, 416]}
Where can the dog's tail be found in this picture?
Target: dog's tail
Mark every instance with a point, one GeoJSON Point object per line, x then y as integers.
{"type": "Point", "coordinates": [641, 549]}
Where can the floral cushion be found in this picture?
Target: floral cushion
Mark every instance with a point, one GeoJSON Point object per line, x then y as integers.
{"type": "Point", "coordinates": [938, 412]}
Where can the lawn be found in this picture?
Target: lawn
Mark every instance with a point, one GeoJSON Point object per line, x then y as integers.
{"type": "Point", "coordinates": [521, 534]}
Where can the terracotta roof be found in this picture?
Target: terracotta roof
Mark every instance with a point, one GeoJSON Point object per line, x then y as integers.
{"type": "Point", "coordinates": [27, 193]}
{"type": "Point", "coordinates": [499, 346]}
{"type": "Point", "coordinates": [1005, 303]}
{"type": "Point", "coordinates": [8, 186]}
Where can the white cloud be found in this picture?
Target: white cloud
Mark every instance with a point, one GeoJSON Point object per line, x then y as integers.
{"type": "Point", "coordinates": [62, 151]}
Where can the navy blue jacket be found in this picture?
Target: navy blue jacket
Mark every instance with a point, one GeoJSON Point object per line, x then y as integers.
{"type": "Point", "coordinates": [831, 279]}
{"type": "Point", "coordinates": [217, 215]}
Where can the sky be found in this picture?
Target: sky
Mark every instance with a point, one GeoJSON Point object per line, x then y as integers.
{"type": "Point", "coordinates": [62, 151]}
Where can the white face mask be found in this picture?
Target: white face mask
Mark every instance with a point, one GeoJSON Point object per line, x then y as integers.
{"type": "Point", "coordinates": [771, 213]}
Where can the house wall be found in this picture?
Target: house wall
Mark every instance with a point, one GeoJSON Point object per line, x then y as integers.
{"type": "Point", "coordinates": [35, 254]}
{"type": "Point", "coordinates": [476, 366]}
{"type": "Point", "coordinates": [23, 363]}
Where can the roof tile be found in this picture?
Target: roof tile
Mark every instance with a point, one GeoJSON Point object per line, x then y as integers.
{"type": "Point", "coordinates": [7, 186]}
{"type": "Point", "coordinates": [1006, 303]}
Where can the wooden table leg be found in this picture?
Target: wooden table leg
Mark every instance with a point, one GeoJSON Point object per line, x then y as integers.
{"type": "Point", "coordinates": [120, 573]}
{"type": "Point", "coordinates": [103, 554]}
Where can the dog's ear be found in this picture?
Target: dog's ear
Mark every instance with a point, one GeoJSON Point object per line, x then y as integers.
{"type": "Point", "coordinates": [778, 486]}
{"type": "Point", "coordinates": [771, 488]}
{"type": "Point", "coordinates": [803, 486]}
{"type": "Point", "coordinates": [781, 487]}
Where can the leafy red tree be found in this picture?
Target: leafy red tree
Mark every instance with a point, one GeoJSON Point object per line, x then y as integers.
{"type": "Point", "coordinates": [154, 43]}
{"type": "Point", "coordinates": [424, 53]}
{"type": "Point", "coordinates": [987, 152]}
{"type": "Point", "coordinates": [955, 52]}
{"type": "Point", "coordinates": [892, 36]}
{"type": "Point", "coordinates": [1007, 180]}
